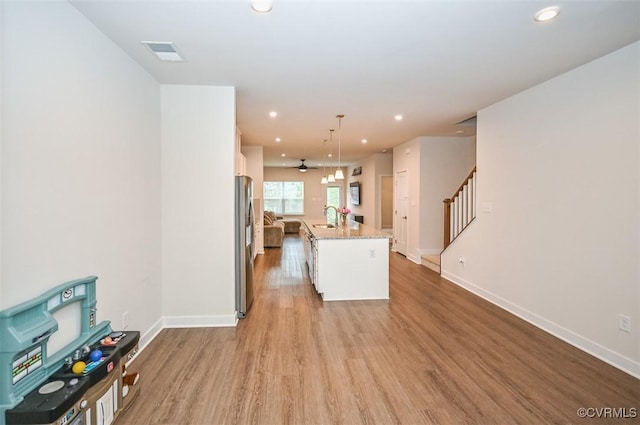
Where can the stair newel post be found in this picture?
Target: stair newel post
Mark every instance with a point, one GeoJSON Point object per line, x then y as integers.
{"type": "Point", "coordinates": [447, 222]}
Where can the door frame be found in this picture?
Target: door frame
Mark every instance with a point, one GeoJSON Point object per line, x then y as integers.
{"type": "Point", "coordinates": [397, 227]}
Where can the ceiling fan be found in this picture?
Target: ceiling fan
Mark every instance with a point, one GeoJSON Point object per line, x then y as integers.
{"type": "Point", "coordinates": [303, 167]}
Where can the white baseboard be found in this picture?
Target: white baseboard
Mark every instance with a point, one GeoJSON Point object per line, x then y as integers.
{"type": "Point", "coordinates": [182, 322]}
{"type": "Point", "coordinates": [409, 257]}
{"type": "Point", "coordinates": [146, 338]}
{"type": "Point", "coordinates": [150, 334]}
{"type": "Point", "coordinates": [199, 321]}
{"type": "Point", "coordinates": [417, 260]}
{"type": "Point", "coordinates": [603, 353]}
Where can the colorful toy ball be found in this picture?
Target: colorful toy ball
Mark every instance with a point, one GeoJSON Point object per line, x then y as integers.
{"type": "Point", "coordinates": [78, 367]}
{"type": "Point", "coordinates": [95, 355]}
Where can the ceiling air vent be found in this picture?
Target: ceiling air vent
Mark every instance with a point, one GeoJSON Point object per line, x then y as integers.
{"type": "Point", "coordinates": [469, 122]}
{"type": "Point", "coordinates": [164, 50]}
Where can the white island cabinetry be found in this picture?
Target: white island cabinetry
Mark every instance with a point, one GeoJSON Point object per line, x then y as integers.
{"type": "Point", "coordinates": [351, 262]}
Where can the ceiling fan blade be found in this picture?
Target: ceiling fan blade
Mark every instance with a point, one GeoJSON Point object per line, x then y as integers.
{"type": "Point", "coordinates": [303, 167]}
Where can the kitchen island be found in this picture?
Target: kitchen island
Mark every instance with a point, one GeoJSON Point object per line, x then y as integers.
{"type": "Point", "coordinates": [347, 262]}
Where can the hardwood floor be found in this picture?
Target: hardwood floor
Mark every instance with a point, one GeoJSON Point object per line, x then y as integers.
{"type": "Point", "coordinates": [432, 354]}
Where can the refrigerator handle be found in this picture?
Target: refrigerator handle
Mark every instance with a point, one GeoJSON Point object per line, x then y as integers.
{"type": "Point", "coordinates": [253, 229]}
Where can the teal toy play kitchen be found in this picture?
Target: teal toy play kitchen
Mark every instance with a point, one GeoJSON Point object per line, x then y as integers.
{"type": "Point", "coordinates": [58, 366]}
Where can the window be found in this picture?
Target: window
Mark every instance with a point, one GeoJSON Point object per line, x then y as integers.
{"type": "Point", "coordinates": [284, 198]}
{"type": "Point", "coordinates": [333, 199]}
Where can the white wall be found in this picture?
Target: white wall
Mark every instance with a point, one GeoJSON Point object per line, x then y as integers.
{"type": "Point", "coordinates": [198, 148]}
{"type": "Point", "coordinates": [559, 164]}
{"type": "Point", "coordinates": [444, 163]}
{"type": "Point", "coordinates": [367, 179]}
{"type": "Point", "coordinates": [314, 192]}
{"type": "Point", "coordinates": [80, 164]}
{"type": "Point", "coordinates": [372, 168]}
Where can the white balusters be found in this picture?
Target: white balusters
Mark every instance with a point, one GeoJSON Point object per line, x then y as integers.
{"type": "Point", "coordinates": [460, 209]}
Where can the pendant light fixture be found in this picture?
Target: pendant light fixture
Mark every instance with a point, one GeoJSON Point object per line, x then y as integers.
{"type": "Point", "coordinates": [339, 175]}
{"type": "Point", "coordinates": [331, 178]}
{"type": "Point", "coordinates": [324, 179]}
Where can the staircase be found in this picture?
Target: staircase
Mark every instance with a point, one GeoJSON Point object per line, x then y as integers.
{"type": "Point", "coordinates": [460, 209]}
{"type": "Point", "coordinates": [432, 262]}
{"type": "Point", "coordinates": [459, 212]}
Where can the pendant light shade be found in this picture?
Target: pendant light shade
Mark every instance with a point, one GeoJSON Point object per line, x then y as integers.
{"type": "Point", "coordinates": [324, 180]}
{"type": "Point", "coordinates": [339, 175]}
{"type": "Point", "coordinates": [331, 178]}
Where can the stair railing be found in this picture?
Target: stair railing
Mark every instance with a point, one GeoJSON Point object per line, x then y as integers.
{"type": "Point", "coordinates": [460, 209]}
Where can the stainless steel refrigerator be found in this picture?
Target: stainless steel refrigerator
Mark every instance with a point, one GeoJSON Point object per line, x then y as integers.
{"type": "Point", "coordinates": [245, 243]}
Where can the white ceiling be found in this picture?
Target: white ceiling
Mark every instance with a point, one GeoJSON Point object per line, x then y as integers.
{"type": "Point", "coordinates": [435, 62]}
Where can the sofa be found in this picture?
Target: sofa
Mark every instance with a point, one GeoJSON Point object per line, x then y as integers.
{"type": "Point", "coordinates": [275, 228]}
{"type": "Point", "coordinates": [273, 231]}
{"type": "Point", "coordinates": [291, 225]}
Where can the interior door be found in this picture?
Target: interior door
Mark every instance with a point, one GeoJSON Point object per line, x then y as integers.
{"type": "Point", "coordinates": [401, 212]}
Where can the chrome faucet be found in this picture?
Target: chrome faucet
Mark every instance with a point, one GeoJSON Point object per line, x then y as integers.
{"type": "Point", "coordinates": [326, 208]}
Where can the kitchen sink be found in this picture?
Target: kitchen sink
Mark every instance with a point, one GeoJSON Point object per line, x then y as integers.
{"type": "Point", "coordinates": [325, 226]}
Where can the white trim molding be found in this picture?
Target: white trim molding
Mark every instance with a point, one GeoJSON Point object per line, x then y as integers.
{"type": "Point", "coordinates": [412, 257]}
{"type": "Point", "coordinates": [183, 322]}
{"type": "Point", "coordinates": [606, 355]}
{"type": "Point", "coordinates": [150, 334]}
{"type": "Point", "coordinates": [199, 321]}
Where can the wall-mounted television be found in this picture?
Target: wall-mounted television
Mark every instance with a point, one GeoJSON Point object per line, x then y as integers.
{"type": "Point", "coordinates": [354, 191]}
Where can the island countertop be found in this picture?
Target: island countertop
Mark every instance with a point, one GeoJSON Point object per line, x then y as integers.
{"type": "Point", "coordinates": [352, 230]}
{"type": "Point", "coordinates": [348, 262]}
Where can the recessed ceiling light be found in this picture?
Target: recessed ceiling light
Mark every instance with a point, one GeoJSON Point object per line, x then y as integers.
{"type": "Point", "coordinates": [262, 6]}
{"type": "Point", "coordinates": [398, 117]}
{"type": "Point", "coordinates": [459, 131]}
{"type": "Point", "coordinates": [330, 155]}
{"type": "Point", "coordinates": [364, 141]}
{"type": "Point", "coordinates": [547, 14]}
{"type": "Point", "coordinates": [273, 114]}
{"type": "Point", "coordinates": [384, 151]}
{"type": "Point", "coordinates": [283, 155]}
{"type": "Point", "coordinates": [278, 140]}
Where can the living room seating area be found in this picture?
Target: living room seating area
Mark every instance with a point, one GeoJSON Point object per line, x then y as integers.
{"type": "Point", "coordinates": [275, 228]}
